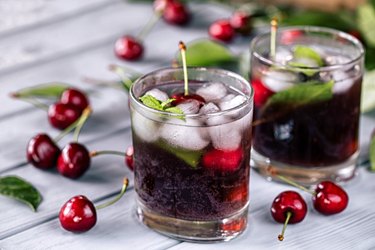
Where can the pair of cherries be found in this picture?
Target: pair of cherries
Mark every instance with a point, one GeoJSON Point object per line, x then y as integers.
{"type": "Point", "coordinates": [225, 29]}
{"type": "Point", "coordinates": [173, 12]}
{"type": "Point", "coordinates": [289, 206]}
{"type": "Point", "coordinates": [43, 152]}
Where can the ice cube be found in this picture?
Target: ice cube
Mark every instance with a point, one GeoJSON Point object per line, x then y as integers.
{"type": "Point", "coordinates": [336, 59]}
{"type": "Point", "coordinates": [343, 82]}
{"type": "Point", "coordinates": [224, 133]}
{"type": "Point", "coordinates": [212, 91]}
{"type": "Point", "coordinates": [186, 134]}
{"type": "Point", "coordinates": [236, 101]}
{"type": "Point", "coordinates": [209, 108]}
{"type": "Point", "coordinates": [278, 80]}
{"type": "Point", "coordinates": [227, 97]}
{"type": "Point", "coordinates": [284, 132]}
{"type": "Point", "coordinates": [307, 62]}
{"type": "Point", "coordinates": [190, 106]}
{"type": "Point", "coordinates": [283, 55]}
{"type": "Point", "coordinates": [158, 94]}
{"type": "Point", "coordinates": [144, 128]}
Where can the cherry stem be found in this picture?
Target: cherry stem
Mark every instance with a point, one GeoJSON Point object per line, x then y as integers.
{"type": "Point", "coordinates": [150, 24]}
{"type": "Point", "coordinates": [182, 48]}
{"type": "Point", "coordinates": [288, 216]}
{"type": "Point", "coordinates": [35, 102]}
{"type": "Point", "coordinates": [283, 178]}
{"type": "Point", "coordinates": [81, 121]}
{"type": "Point", "coordinates": [126, 81]}
{"type": "Point", "coordinates": [103, 83]}
{"type": "Point", "coordinates": [274, 24]}
{"type": "Point", "coordinates": [66, 131]}
{"type": "Point", "coordinates": [106, 152]}
{"type": "Point", "coordinates": [118, 197]}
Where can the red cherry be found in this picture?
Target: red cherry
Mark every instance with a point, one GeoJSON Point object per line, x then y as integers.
{"type": "Point", "coordinates": [290, 36]}
{"type": "Point", "coordinates": [160, 5]}
{"type": "Point", "coordinates": [42, 152]}
{"type": "Point", "coordinates": [128, 48]}
{"type": "Point", "coordinates": [289, 201]}
{"type": "Point", "coordinates": [241, 23]}
{"type": "Point", "coordinates": [221, 160]}
{"type": "Point", "coordinates": [74, 97]}
{"type": "Point", "coordinates": [181, 97]}
{"type": "Point", "coordinates": [61, 115]}
{"type": "Point", "coordinates": [176, 12]}
{"type": "Point", "coordinates": [221, 30]}
{"type": "Point", "coordinates": [261, 93]}
{"type": "Point", "coordinates": [78, 214]}
{"type": "Point", "coordinates": [330, 198]}
{"type": "Point", "coordinates": [73, 161]}
{"type": "Point", "coordinates": [238, 194]}
{"type": "Point", "coordinates": [129, 160]}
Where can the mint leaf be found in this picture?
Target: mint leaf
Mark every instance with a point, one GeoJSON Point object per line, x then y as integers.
{"type": "Point", "coordinates": [48, 90]}
{"type": "Point", "coordinates": [154, 103]}
{"type": "Point", "coordinates": [372, 154]}
{"type": "Point", "coordinates": [190, 157]}
{"type": "Point", "coordinates": [207, 53]}
{"type": "Point", "coordinates": [368, 92]}
{"type": "Point", "coordinates": [307, 52]}
{"type": "Point", "coordinates": [301, 67]}
{"type": "Point", "coordinates": [151, 102]}
{"type": "Point", "coordinates": [19, 189]}
{"type": "Point", "coordinates": [366, 23]}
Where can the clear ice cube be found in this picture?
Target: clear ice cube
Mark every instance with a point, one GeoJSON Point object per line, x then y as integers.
{"type": "Point", "coordinates": [283, 55]}
{"type": "Point", "coordinates": [212, 91]}
{"type": "Point", "coordinates": [158, 94]}
{"type": "Point", "coordinates": [343, 82]}
{"type": "Point", "coordinates": [209, 108]}
{"type": "Point", "coordinates": [186, 134]}
{"type": "Point", "coordinates": [189, 106]}
{"type": "Point", "coordinates": [278, 80]}
{"type": "Point", "coordinates": [234, 102]}
{"type": "Point", "coordinates": [224, 133]}
{"type": "Point", "coordinates": [145, 129]}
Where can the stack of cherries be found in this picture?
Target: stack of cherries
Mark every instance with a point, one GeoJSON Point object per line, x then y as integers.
{"type": "Point", "coordinates": [289, 206]}
{"type": "Point", "coordinates": [173, 12]}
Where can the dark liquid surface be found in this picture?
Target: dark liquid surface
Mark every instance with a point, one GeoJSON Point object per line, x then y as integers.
{"type": "Point", "coordinates": [314, 135]}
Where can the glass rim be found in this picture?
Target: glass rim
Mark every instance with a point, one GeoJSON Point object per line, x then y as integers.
{"type": "Point", "coordinates": [308, 28]}
{"type": "Point", "coordinates": [249, 98]}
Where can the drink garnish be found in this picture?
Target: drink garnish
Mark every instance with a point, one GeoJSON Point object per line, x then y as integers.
{"type": "Point", "coordinates": [274, 24]}
{"type": "Point", "coordinates": [182, 48]}
{"type": "Point", "coordinates": [301, 51]}
{"type": "Point", "coordinates": [154, 103]}
{"type": "Point", "coordinates": [190, 157]}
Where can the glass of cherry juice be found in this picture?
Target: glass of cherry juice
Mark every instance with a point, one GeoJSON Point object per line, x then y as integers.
{"type": "Point", "coordinates": [307, 104]}
{"type": "Point", "coordinates": [192, 152]}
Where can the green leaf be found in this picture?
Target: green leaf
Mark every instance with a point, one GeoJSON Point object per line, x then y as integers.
{"type": "Point", "coordinates": [372, 154]}
{"type": "Point", "coordinates": [307, 52]}
{"type": "Point", "coordinates": [174, 110]}
{"type": "Point", "coordinates": [287, 100]}
{"type": "Point", "coordinates": [190, 157]}
{"type": "Point", "coordinates": [368, 92]}
{"type": "Point", "coordinates": [366, 23]}
{"type": "Point", "coordinates": [48, 90]}
{"type": "Point", "coordinates": [301, 67]}
{"type": "Point", "coordinates": [151, 102]}
{"type": "Point", "coordinates": [207, 53]}
{"type": "Point", "coordinates": [19, 189]}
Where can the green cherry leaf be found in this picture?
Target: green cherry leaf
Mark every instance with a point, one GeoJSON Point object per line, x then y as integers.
{"type": "Point", "coordinates": [307, 52]}
{"type": "Point", "coordinates": [372, 154]}
{"type": "Point", "coordinates": [366, 23]}
{"type": "Point", "coordinates": [151, 102]}
{"type": "Point", "coordinates": [48, 90]}
{"type": "Point", "coordinates": [368, 92]}
{"type": "Point", "coordinates": [19, 189]}
{"type": "Point", "coordinates": [207, 53]}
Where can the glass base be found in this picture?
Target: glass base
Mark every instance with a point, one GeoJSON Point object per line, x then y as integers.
{"type": "Point", "coordinates": [306, 176]}
{"type": "Point", "coordinates": [194, 231]}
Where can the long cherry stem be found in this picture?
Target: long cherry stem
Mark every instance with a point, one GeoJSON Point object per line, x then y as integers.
{"type": "Point", "coordinates": [274, 24]}
{"type": "Point", "coordinates": [283, 178]}
{"type": "Point", "coordinates": [107, 152]}
{"type": "Point", "coordinates": [66, 131]}
{"type": "Point", "coordinates": [288, 216]}
{"type": "Point", "coordinates": [150, 24]}
{"type": "Point", "coordinates": [126, 80]}
{"type": "Point", "coordinates": [182, 48]}
{"type": "Point", "coordinates": [118, 197]}
{"type": "Point", "coordinates": [35, 102]}
{"type": "Point", "coordinates": [81, 121]}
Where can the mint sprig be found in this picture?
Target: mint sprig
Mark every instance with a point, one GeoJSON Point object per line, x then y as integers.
{"type": "Point", "coordinates": [154, 103]}
{"type": "Point", "coordinates": [307, 52]}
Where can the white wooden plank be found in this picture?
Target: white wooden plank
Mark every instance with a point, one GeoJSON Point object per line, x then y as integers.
{"type": "Point", "coordinates": [20, 14]}
{"type": "Point", "coordinates": [103, 178]}
{"type": "Point", "coordinates": [116, 228]}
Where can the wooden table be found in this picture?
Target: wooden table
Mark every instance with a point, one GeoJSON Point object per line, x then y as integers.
{"type": "Point", "coordinates": [46, 41]}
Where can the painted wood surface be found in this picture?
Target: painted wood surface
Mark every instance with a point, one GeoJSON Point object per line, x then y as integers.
{"type": "Point", "coordinates": [68, 40]}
